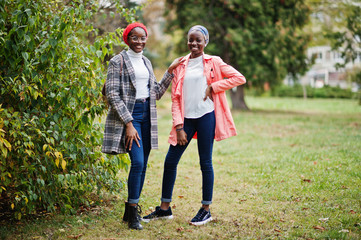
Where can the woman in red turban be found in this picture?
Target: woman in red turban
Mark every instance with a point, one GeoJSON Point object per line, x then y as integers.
{"type": "Point", "coordinates": [131, 125]}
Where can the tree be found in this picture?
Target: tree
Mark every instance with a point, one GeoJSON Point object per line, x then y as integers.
{"type": "Point", "coordinates": [261, 38]}
{"type": "Point", "coordinates": [50, 100]}
{"type": "Point", "coordinates": [341, 28]}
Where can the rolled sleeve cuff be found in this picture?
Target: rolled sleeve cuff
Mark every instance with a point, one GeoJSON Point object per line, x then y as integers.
{"type": "Point", "coordinates": [128, 119]}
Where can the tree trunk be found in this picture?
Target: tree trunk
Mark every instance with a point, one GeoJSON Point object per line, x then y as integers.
{"type": "Point", "coordinates": [237, 97]}
{"type": "Point", "coordinates": [304, 91]}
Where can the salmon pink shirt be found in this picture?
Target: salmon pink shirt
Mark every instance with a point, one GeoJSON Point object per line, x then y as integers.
{"type": "Point", "coordinates": [222, 77]}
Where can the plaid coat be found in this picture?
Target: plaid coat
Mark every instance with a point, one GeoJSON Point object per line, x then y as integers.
{"type": "Point", "coordinates": [120, 93]}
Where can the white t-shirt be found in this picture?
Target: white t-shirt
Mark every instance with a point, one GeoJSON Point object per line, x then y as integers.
{"type": "Point", "coordinates": [194, 90]}
{"type": "Point", "coordinates": [141, 74]}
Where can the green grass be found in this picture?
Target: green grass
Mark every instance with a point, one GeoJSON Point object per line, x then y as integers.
{"type": "Point", "coordinates": [294, 167]}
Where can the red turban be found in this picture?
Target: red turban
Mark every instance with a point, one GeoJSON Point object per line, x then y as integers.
{"type": "Point", "coordinates": [130, 27]}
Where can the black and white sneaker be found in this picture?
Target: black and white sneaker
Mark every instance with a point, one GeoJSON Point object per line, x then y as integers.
{"type": "Point", "coordinates": [159, 214]}
{"type": "Point", "coordinates": [202, 217]}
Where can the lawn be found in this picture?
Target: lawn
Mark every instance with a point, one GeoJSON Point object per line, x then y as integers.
{"type": "Point", "coordinates": [293, 172]}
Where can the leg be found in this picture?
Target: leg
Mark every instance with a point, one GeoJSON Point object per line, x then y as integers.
{"type": "Point", "coordinates": [170, 164]}
{"type": "Point", "coordinates": [136, 155]}
{"type": "Point", "coordinates": [169, 175]}
{"type": "Point", "coordinates": [136, 168]}
{"type": "Point", "coordinates": [205, 134]}
{"type": "Point", "coordinates": [146, 142]}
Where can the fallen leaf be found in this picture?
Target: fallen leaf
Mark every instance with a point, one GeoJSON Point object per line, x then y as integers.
{"type": "Point", "coordinates": [307, 180]}
{"type": "Point", "coordinates": [282, 220]}
{"type": "Point", "coordinates": [174, 206]}
{"type": "Point", "coordinates": [243, 200]}
{"type": "Point", "coordinates": [181, 196]}
{"type": "Point", "coordinates": [352, 212]}
{"type": "Point", "coordinates": [344, 230]}
{"type": "Point", "coordinates": [319, 228]}
{"type": "Point", "coordinates": [277, 230]}
{"type": "Point", "coordinates": [180, 229]}
{"type": "Point", "coordinates": [314, 162]}
{"type": "Point", "coordinates": [305, 208]}
{"type": "Point", "coordinates": [75, 236]}
{"type": "Point", "coordinates": [344, 187]}
{"type": "Point", "coordinates": [323, 219]}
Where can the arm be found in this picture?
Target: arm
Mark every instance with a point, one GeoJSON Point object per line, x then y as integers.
{"type": "Point", "coordinates": [176, 103]}
{"type": "Point", "coordinates": [177, 112]}
{"type": "Point", "coordinates": [231, 78]}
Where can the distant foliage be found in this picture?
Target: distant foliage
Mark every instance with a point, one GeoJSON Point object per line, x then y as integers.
{"type": "Point", "coordinates": [261, 38]}
{"type": "Point", "coordinates": [50, 105]}
{"type": "Point", "coordinates": [324, 92]}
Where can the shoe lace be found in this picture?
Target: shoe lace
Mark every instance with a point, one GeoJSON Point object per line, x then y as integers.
{"type": "Point", "coordinates": [139, 209]}
{"type": "Point", "coordinates": [201, 213]}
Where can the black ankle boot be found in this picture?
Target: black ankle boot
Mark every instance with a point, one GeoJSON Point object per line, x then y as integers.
{"type": "Point", "coordinates": [126, 210]}
{"type": "Point", "coordinates": [134, 218]}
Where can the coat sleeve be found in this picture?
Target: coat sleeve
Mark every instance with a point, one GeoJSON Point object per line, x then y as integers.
{"type": "Point", "coordinates": [176, 102]}
{"type": "Point", "coordinates": [112, 90]}
{"type": "Point", "coordinates": [162, 86]}
{"type": "Point", "coordinates": [230, 77]}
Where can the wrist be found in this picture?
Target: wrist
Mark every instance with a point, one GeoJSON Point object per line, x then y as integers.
{"type": "Point", "coordinates": [179, 129]}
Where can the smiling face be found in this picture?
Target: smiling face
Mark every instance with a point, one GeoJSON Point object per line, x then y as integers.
{"type": "Point", "coordinates": [137, 39]}
{"type": "Point", "coordinates": [196, 43]}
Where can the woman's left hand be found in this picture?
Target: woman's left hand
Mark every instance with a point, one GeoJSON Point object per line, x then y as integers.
{"type": "Point", "coordinates": [208, 93]}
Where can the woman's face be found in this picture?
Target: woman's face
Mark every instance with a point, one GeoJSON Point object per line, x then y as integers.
{"type": "Point", "coordinates": [137, 39]}
{"type": "Point", "coordinates": [196, 43]}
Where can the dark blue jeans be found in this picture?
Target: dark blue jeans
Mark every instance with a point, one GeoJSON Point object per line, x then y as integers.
{"type": "Point", "coordinates": [139, 155]}
{"type": "Point", "coordinates": [205, 127]}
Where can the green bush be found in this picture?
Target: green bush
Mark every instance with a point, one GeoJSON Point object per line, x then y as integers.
{"type": "Point", "coordinates": [50, 105]}
{"type": "Point", "coordinates": [325, 92]}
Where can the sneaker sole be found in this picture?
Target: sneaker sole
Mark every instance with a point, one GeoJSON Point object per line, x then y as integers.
{"type": "Point", "coordinates": [158, 218]}
{"type": "Point", "coordinates": [201, 223]}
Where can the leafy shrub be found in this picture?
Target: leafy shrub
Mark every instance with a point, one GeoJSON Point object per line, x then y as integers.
{"type": "Point", "coordinates": [325, 92]}
{"type": "Point", "coordinates": [50, 105]}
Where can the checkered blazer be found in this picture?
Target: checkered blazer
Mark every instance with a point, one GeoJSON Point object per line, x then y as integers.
{"type": "Point", "coordinates": [121, 92]}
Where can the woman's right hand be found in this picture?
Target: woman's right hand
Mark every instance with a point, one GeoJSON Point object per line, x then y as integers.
{"type": "Point", "coordinates": [131, 135]}
{"type": "Point", "coordinates": [181, 137]}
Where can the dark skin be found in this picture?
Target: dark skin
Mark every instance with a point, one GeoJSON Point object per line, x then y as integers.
{"type": "Point", "coordinates": [137, 39]}
{"type": "Point", "coordinates": [196, 44]}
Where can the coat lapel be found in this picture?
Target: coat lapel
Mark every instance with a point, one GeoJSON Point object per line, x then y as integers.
{"type": "Point", "coordinates": [150, 70]}
{"type": "Point", "coordinates": [128, 65]}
